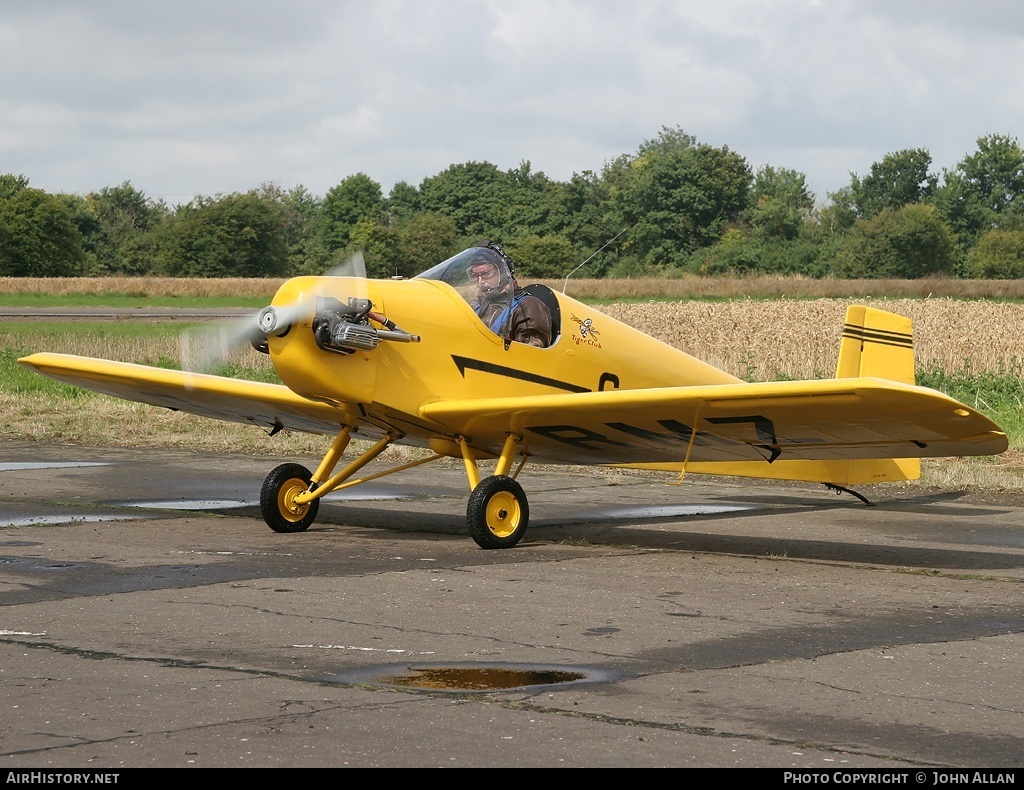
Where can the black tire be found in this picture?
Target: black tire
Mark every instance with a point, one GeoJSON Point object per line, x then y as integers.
{"type": "Point", "coordinates": [276, 499]}
{"type": "Point", "coordinates": [498, 513]}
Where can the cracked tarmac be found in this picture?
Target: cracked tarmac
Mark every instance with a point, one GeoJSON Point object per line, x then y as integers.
{"type": "Point", "coordinates": [148, 617]}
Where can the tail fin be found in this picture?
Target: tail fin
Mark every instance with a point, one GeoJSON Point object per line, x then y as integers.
{"type": "Point", "coordinates": [879, 344]}
{"type": "Point", "coordinates": [874, 343]}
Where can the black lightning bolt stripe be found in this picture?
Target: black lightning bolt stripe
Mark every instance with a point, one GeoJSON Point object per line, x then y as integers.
{"type": "Point", "coordinates": [464, 364]}
{"type": "Point", "coordinates": [864, 334]}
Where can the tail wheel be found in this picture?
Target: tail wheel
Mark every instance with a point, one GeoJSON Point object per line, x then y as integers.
{"type": "Point", "coordinates": [277, 499]}
{"type": "Point", "coordinates": [498, 513]}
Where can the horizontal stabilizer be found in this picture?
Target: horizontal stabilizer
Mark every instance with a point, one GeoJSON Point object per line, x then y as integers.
{"type": "Point", "coordinates": [840, 473]}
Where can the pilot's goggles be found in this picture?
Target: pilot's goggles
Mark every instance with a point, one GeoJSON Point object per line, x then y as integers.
{"type": "Point", "coordinates": [482, 271]}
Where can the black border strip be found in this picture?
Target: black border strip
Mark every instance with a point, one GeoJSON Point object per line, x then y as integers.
{"type": "Point", "coordinates": [465, 363]}
{"type": "Point", "coordinates": [855, 332]}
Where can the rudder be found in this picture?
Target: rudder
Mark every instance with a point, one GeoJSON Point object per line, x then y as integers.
{"type": "Point", "coordinates": [878, 344]}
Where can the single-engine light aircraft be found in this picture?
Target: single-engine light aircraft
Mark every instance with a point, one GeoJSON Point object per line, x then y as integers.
{"type": "Point", "coordinates": [410, 361]}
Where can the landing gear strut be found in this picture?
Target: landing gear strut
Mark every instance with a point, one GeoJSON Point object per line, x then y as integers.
{"type": "Point", "coordinates": [497, 513]}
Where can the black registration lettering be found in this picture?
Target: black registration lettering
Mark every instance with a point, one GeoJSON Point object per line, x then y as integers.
{"type": "Point", "coordinates": [676, 431]}
{"type": "Point", "coordinates": [577, 437]}
{"type": "Point", "coordinates": [764, 427]}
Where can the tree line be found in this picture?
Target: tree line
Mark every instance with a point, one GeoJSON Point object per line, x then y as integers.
{"type": "Point", "coordinates": [675, 205]}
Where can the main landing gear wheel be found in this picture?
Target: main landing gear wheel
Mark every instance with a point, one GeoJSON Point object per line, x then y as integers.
{"type": "Point", "coordinates": [277, 499]}
{"type": "Point", "coordinates": [498, 513]}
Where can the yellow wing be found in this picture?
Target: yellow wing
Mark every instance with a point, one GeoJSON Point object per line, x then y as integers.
{"type": "Point", "coordinates": [838, 419]}
{"type": "Point", "coordinates": [811, 430]}
{"type": "Point", "coordinates": [270, 406]}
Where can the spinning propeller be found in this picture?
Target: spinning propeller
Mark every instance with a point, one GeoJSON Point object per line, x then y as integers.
{"type": "Point", "coordinates": [218, 346]}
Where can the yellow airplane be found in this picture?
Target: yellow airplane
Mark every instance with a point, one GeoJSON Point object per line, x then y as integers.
{"type": "Point", "coordinates": [408, 361]}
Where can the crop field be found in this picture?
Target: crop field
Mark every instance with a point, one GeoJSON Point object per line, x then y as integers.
{"type": "Point", "coordinates": [765, 340]}
{"type": "Point", "coordinates": [969, 348]}
{"type": "Point", "coordinates": [753, 339]}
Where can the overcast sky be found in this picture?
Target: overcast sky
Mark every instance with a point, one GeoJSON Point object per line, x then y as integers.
{"type": "Point", "coordinates": [207, 97]}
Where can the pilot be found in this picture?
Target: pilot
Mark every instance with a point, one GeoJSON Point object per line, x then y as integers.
{"type": "Point", "coordinates": [498, 294]}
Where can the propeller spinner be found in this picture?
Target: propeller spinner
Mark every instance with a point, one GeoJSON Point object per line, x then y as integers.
{"type": "Point", "coordinates": [339, 326]}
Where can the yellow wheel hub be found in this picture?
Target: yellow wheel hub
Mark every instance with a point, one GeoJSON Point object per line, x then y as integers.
{"type": "Point", "coordinates": [290, 509]}
{"type": "Point", "coordinates": [503, 514]}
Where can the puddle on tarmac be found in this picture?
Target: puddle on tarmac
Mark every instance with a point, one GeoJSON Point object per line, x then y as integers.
{"type": "Point", "coordinates": [188, 504]}
{"type": "Point", "coordinates": [233, 504]}
{"type": "Point", "coordinates": [28, 465]}
{"type": "Point", "coordinates": [478, 678]}
{"type": "Point", "coordinates": [471, 677]}
{"type": "Point", "coordinates": [669, 511]}
{"type": "Point", "coordinates": [46, 521]}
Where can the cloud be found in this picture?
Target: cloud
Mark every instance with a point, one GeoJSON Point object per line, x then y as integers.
{"type": "Point", "coordinates": [214, 97]}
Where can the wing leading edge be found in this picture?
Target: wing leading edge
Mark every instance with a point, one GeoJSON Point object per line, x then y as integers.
{"type": "Point", "coordinates": [838, 419]}
{"type": "Point", "coordinates": [270, 406]}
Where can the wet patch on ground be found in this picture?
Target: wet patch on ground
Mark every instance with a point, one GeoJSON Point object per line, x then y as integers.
{"type": "Point", "coordinates": [468, 678]}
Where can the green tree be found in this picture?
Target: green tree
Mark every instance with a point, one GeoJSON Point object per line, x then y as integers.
{"type": "Point", "coordinates": [10, 185]}
{"type": "Point", "coordinates": [908, 242]}
{"type": "Point", "coordinates": [303, 220]}
{"type": "Point", "coordinates": [403, 202]}
{"type": "Point", "coordinates": [840, 214]}
{"type": "Point", "coordinates": [543, 257]}
{"type": "Point", "coordinates": [537, 204]}
{"type": "Point", "coordinates": [356, 198]}
{"type": "Point", "coordinates": [380, 245]}
{"type": "Point", "coordinates": [901, 178]}
{"type": "Point", "coordinates": [237, 235]}
{"type": "Point", "coordinates": [735, 254]}
{"type": "Point", "coordinates": [985, 190]}
{"type": "Point", "coordinates": [996, 172]}
{"type": "Point", "coordinates": [476, 195]}
{"type": "Point", "coordinates": [126, 219]}
{"type": "Point", "coordinates": [84, 215]}
{"type": "Point", "coordinates": [999, 254]}
{"type": "Point", "coordinates": [38, 236]}
{"type": "Point", "coordinates": [427, 239]}
{"type": "Point", "coordinates": [593, 220]}
{"type": "Point", "coordinates": [781, 203]}
{"type": "Point", "coordinates": [679, 196]}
